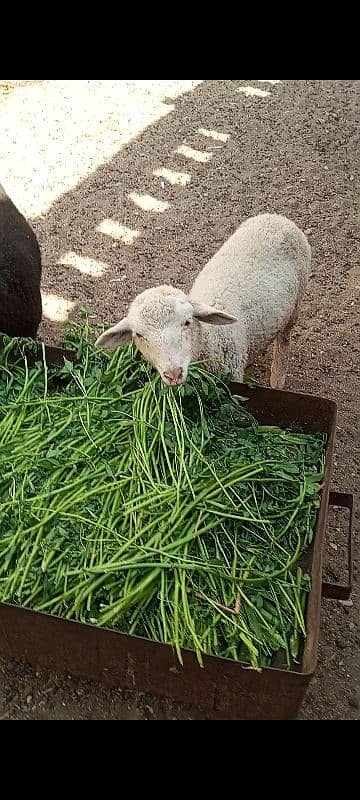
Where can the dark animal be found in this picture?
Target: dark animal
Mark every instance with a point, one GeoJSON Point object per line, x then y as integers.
{"type": "Point", "coordinates": [20, 273]}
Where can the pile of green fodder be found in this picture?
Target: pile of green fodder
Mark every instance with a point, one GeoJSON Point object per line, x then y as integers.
{"type": "Point", "coordinates": [172, 515]}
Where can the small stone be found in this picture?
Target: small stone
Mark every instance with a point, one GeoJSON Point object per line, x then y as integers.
{"type": "Point", "coordinates": [341, 643]}
{"type": "Point", "coordinates": [29, 699]}
{"type": "Point", "coordinates": [351, 626]}
{"type": "Point", "coordinates": [346, 603]}
{"type": "Point", "coordinates": [333, 546]}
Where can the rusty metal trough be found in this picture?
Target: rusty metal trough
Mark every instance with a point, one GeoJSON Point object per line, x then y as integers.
{"type": "Point", "coordinates": [222, 689]}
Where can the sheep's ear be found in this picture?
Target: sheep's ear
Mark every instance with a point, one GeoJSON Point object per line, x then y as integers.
{"type": "Point", "coordinates": [212, 316]}
{"type": "Point", "coordinates": [115, 337]}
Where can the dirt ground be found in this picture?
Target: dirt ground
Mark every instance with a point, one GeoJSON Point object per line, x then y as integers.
{"type": "Point", "coordinates": [286, 146]}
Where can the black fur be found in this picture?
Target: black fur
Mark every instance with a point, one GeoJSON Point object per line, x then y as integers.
{"type": "Point", "coordinates": [20, 273]}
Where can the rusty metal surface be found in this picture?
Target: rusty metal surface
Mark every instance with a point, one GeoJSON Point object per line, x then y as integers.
{"type": "Point", "coordinates": [224, 689]}
{"type": "Point", "coordinates": [54, 355]}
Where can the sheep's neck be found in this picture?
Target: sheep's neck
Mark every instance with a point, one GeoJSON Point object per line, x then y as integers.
{"type": "Point", "coordinates": [206, 341]}
{"type": "Point", "coordinates": [197, 342]}
{"type": "Point", "coordinates": [220, 348]}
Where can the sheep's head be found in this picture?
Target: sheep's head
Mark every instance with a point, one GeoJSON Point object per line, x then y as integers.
{"type": "Point", "coordinates": [162, 323]}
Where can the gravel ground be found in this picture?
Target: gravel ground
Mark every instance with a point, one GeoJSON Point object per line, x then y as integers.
{"type": "Point", "coordinates": [131, 183]}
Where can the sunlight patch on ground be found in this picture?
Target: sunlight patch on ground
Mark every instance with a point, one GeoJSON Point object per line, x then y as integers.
{"type": "Point", "coordinates": [175, 178]}
{"type": "Point", "coordinates": [148, 203]}
{"type": "Point", "coordinates": [253, 91]}
{"type": "Point", "coordinates": [88, 266]}
{"type": "Point", "coordinates": [218, 137]}
{"type": "Point", "coordinates": [109, 227]}
{"type": "Point", "coordinates": [56, 308]}
{"type": "Point", "coordinates": [196, 155]}
{"type": "Point", "coordinates": [56, 133]}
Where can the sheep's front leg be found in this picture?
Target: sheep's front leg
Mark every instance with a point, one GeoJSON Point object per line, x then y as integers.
{"type": "Point", "coordinates": [280, 358]}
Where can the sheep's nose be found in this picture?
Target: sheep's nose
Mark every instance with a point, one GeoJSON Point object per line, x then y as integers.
{"type": "Point", "coordinates": [174, 376]}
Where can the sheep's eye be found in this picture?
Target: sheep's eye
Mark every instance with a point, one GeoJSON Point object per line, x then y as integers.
{"type": "Point", "coordinates": [139, 336]}
{"type": "Point", "coordinates": [187, 323]}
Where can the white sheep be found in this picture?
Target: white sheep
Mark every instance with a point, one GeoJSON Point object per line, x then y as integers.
{"type": "Point", "coordinates": [252, 288]}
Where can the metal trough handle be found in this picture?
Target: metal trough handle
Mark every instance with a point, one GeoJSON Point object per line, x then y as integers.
{"type": "Point", "coordinates": [341, 591]}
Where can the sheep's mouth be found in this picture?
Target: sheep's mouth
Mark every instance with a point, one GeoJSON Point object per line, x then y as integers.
{"type": "Point", "coordinates": [173, 382]}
